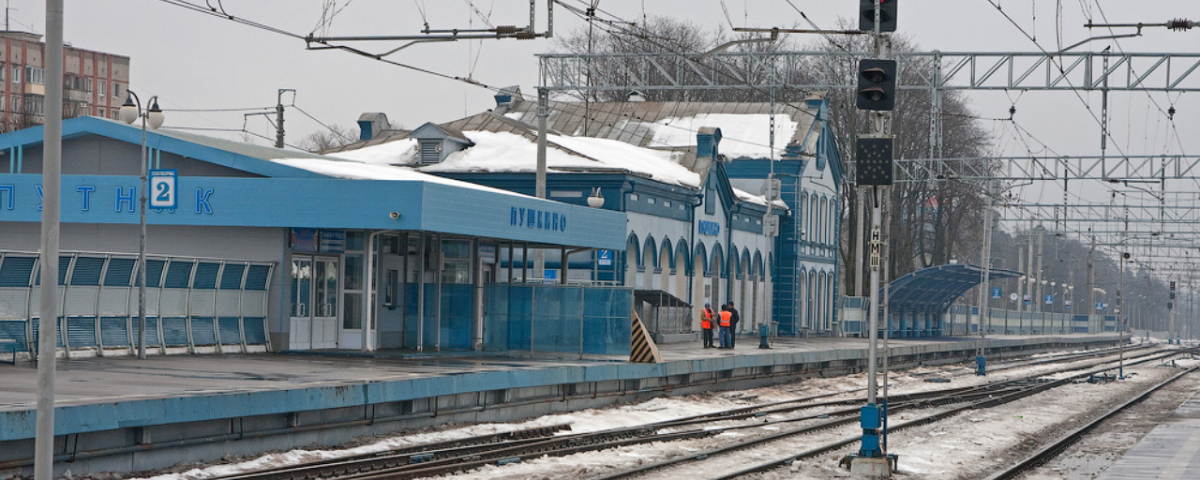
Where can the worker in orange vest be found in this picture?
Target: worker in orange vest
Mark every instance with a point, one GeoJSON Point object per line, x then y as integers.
{"type": "Point", "coordinates": [726, 323]}
{"type": "Point", "coordinates": [706, 325]}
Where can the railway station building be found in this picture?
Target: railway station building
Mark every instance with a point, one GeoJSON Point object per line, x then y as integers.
{"type": "Point", "coordinates": [692, 178]}
{"type": "Point", "coordinates": [271, 249]}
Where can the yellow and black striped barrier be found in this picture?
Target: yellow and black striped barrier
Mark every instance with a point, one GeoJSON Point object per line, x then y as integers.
{"type": "Point", "coordinates": [644, 350]}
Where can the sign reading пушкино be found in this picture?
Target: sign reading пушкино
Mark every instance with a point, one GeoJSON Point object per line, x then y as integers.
{"type": "Point", "coordinates": [539, 219]}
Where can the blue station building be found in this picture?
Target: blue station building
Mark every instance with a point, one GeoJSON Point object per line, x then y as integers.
{"type": "Point", "coordinates": [269, 250]}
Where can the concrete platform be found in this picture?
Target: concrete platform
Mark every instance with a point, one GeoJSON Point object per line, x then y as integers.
{"type": "Point", "coordinates": [1169, 452]}
{"type": "Point", "coordinates": [127, 414]}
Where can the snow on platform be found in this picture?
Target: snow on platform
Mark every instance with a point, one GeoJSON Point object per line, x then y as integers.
{"type": "Point", "coordinates": [1170, 451]}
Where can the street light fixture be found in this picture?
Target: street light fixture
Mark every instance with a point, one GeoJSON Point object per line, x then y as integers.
{"type": "Point", "coordinates": [131, 111]}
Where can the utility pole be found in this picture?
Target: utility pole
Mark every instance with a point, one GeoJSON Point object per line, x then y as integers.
{"type": "Point", "coordinates": [543, 111]}
{"type": "Point", "coordinates": [1120, 318]}
{"type": "Point", "coordinates": [1091, 279]}
{"type": "Point", "coordinates": [1021, 281]}
{"type": "Point", "coordinates": [1030, 279]}
{"type": "Point", "coordinates": [47, 352]}
{"type": "Point", "coordinates": [279, 117]}
{"type": "Point", "coordinates": [1041, 289]}
{"type": "Point", "coordinates": [873, 174]}
{"type": "Point", "coordinates": [984, 282]}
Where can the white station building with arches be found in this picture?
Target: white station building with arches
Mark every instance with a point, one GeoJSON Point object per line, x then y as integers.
{"type": "Point", "coordinates": [693, 179]}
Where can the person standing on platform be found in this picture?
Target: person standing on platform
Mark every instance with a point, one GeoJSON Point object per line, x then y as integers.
{"type": "Point", "coordinates": [706, 325]}
{"type": "Point", "coordinates": [733, 324]}
{"type": "Point", "coordinates": [725, 319]}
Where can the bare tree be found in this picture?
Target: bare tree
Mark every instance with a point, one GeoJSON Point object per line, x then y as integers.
{"type": "Point", "coordinates": [931, 219]}
{"type": "Point", "coordinates": [333, 137]}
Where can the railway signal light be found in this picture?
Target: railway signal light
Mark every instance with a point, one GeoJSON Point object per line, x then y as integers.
{"type": "Point", "coordinates": [873, 161]}
{"type": "Point", "coordinates": [876, 84]}
{"type": "Point", "coordinates": [887, 15]}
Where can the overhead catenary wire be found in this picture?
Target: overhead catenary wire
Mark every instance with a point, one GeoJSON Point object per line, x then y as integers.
{"type": "Point", "coordinates": [221, 14]}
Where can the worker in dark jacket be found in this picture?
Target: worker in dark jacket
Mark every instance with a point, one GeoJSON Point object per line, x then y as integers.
{"type": "Point", "coordinates": [733, 324]}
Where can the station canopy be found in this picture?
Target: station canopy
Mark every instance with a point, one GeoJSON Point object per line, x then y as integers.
{"type": "Point", "coordinates": [933, 289]}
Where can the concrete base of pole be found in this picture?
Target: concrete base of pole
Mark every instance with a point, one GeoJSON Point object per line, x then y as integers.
{"type": "Point", "coordinates": [867, 467]}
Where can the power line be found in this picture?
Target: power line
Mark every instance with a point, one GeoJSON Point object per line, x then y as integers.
{"type": "Point", "coordinates": [221, 14]}
{"type": "Point", "coordinates": [327, 127]}
{"type": "Point", "coordinates": [192, 110]}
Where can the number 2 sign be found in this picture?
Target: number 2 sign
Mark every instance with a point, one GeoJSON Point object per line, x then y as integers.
{"type": "Point", "coordinates": [162, 189]}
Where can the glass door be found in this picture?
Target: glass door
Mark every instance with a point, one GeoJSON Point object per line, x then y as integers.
{"type": "Point", "coordinates": [301, 313]}
{"type": "Point", "coordinates": [325, 299]}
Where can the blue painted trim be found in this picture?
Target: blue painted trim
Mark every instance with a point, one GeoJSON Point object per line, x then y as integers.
{"type": "Point", "coordinates": [329, 203]}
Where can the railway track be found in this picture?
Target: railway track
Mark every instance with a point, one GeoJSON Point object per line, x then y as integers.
{"type": "Point", "coordinates": [1052, 450]}
{"type": "Point", "coordinates": [470, 453]}
{"type": "Point", "coordinates": [1015, 390]}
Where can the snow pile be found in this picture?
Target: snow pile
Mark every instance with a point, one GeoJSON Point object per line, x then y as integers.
{"type": "Point", "coordinates": [743, 135]}
{"type": "Point", "coordinates": [396, 152]}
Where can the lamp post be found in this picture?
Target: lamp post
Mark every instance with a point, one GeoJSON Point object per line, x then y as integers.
{"type": "Point", "coordinates": [131, 111]}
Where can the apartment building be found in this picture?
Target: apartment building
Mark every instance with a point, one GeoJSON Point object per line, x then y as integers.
{"type": "Point", "coordinates": [94, 83]}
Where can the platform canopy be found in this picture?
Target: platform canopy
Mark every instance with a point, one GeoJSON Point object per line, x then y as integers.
{"type": "Point", "coordinates": [933, 289]}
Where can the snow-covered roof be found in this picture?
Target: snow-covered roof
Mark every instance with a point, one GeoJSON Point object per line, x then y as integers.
{"type": "Point", "coordinates": [757, 199]}
{"type": "Point", "coordinates": [743, 135]}
{"type": "Point", "coordinates": [360, 170]}
{"type": "Point", "coordinates": [509, 152]}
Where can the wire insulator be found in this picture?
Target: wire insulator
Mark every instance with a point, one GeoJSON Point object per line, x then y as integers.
{"type": "Point", "coordinates": [505, 29]}
{"type": "Point", "coordinates": [1180, 24]}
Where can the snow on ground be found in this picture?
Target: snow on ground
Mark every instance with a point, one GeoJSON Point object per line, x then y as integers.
{"type": "Point", "coordinates": [973, 444]}
{"type": "Point", "coordinates": [924, 452]}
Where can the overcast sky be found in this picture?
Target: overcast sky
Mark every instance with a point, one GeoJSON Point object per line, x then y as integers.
{"type": "Point", "coordinates": [194, 61]}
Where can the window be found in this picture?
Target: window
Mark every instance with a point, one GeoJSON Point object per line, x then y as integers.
{"type": "Point", "coordinates": [16, 74]}
{"type": "Point", "coordinates": [633, 197]}
{"type": "Point", "coordinates": [35, 105]}
{"type": "Point", "coordinates": [35, 75]}
{"type": "Point", "coordinates": [2, 104]}
{"type": "Point", "coordinates": [2, 69]}
{"type": "Point", "coordinates": [16, 104]}
{"type": "Point", "coordinates": [102, 113]}
{"type": "Point", "coordinates": [103, 89]}
{"type": "Point", "coordinates": [650, 200]}
{"type": "Point", "coordinates": [457, 264]}
{"type": "Point", "coordinates": [667, 204]}
{"type": "Point", "coordinates": [116, 89]}
{"type": "Point", "coordinates": [116, 114]}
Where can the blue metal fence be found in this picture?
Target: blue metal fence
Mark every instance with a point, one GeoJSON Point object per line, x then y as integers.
{"type": "Point", "coordinates": [558, 318]}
